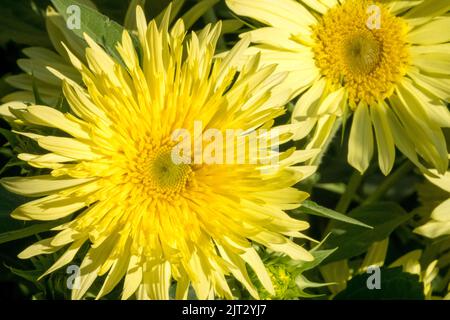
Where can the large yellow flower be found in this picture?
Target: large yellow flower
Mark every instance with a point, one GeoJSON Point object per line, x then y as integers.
{"type": "Point", "coordinates": [142, 216]}
{"type": "Point", "coordinates": [388, 62]}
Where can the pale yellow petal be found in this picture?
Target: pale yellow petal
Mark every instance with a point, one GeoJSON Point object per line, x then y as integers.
{"type": "Point", "coordinates": [37, 248]}
{"type": "Point", "coordinates": [360, 145]}
{"type": "Point", "coordinates": [436, 31]}
{"type": "Point", "coordinates": [39, 185]}
{"type": "Point", "coordinates": [288, 15]}
{"type": "Point", "coordinates": [133, 277]}
{"type": "Point", "coordinates": [442, 212]}
{"type": "Point", "coordinates": [385, 141]}
{"type": "Point", "coordinates": [66, 257]}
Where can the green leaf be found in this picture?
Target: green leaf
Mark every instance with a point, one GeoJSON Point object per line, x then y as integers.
{"type": "Point", "coordinates": [6, 152]}
{"type": "Point", "coordinates": [395, 284]}
{"type": "Point", "coordinates": [9, 201]}
{"type": "Point", "coordinates": [319, 257]}
{"type": "Point", "coordinates": [37, 97]}
{"type": "Point", "coordinates": [30, 275]}
{"type": "Point", "coordinates": [353, 240]}
{"type": "Point", "coordinates": [13, 162]}
{"type": "Point", "coordinates": [5, 88]}
{"type": "Point", "coordinates": [338, 188]}
{"type": "Point", "coordinates": [99, 27]}
{"type": "Point", "coordinates": [23, 22]}
{"type": "Point", "coordinates": [300, 267]}
{"type": "Point", "coordinates": [231, 26]}
{"type": "Point", "coordinates": [10, 136]}
{"type": "Point", "coordinates": [310, 207]}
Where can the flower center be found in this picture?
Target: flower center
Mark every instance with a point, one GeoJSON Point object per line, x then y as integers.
{"type": "Point", "coordinates": [362, 53]}
{"type": "Point", "coordinates": [156, 175]}
{"type": "Point", "coordinates": [366, 58]}
{"type": "Point", "coordinates": [167, 175]}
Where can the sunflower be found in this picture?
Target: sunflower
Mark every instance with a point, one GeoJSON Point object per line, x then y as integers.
{"type": "Point", "coordinates": [140, 215]}
{"type": "Point", "coordinates": [385, 62]}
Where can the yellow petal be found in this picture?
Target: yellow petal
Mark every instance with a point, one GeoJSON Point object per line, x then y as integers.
{"type": "Point", "coordinates": [442, 212]}
{"type": "Point", "coordinates": [401, 138]}
{"type": "Point", "coordinates": [254, 261]}
{"type": "Point", "coordinates": [433, 62]}
{"type": "Point", "coordinates": [50, 117]}
{"type": "Point", "coordinates": [288, 15]}
{"type": "Point", "coordinates": [133, 278]}
{"type": "Point", "coordinates": [426, 11]}
{"type": "Point", "coordinates": [158, 283]}
{"type": "Point", "coordinates": [37, 248]}
{"type": "Point", "coordinates": [238, 269]}
{"type": "Point", "coordinates": [442, 181]}
{"type": "Point", "coordinates": [90, 266]}
{"type": "Point", "coordinates": [68, 147]}
{"type": "Point", "coordinates": [274, 37]}
{"type": "Point", "coordinates": [385, 141]}
{"type": "Point", "coordinates": [434, 229]}
{"type": "Point", "coordinates": [39, 185]}
{"type": "Point", "coordinates": [360, 149]}
{"type": "Point", "coordinates": [49, 208]}
{"type": "Point", "coordinates": [66, 257]}
{"type": "Point", "coordinates": [436, 31]}
{"type": "Point", "coordinates": [118, 270]}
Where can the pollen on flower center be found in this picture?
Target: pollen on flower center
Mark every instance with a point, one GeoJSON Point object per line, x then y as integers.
{"type": "Point", "coordinates": [165, 174]}
{"type": "Point", "coordinates": [368, 62]}
{"type": "Point", "coordinates": [155, 173]}
{"type": "Point", "coordinates": [362, 53]}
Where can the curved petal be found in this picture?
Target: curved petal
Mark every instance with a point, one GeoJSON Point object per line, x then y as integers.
{"type": "Point", "coordinates": [284, 14]}
{"type": "Point", "coordinates": [38, 186]}
{"type": "Point", "coordinates": [360, 146]}
{"type": "Point", "coordinates": [385, 141]}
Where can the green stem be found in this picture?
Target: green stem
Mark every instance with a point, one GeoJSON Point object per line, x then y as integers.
{"type": "Point", "coordinates": [389, 182]}
{"type": "Point", "coordinates": [349, 194]}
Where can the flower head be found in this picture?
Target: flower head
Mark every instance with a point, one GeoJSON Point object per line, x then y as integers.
{"type": "Point", "coordinates": [387, 62]}
{"type": "Point", "coordinates": [142, 216]}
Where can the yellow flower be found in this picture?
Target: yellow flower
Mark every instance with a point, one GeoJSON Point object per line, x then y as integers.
{"type": "Point", "coordinates": [387, 62]}
{"type": "Point", "coordinates": [142, 216]}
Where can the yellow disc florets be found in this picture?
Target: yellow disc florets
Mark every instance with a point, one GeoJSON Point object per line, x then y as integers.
{"type": "Point", "coordinates": [159, 174]}
{"type": "Point", "coordinates": [362, 47]}
{"type": "Point", "coordinates": [166, 174]}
